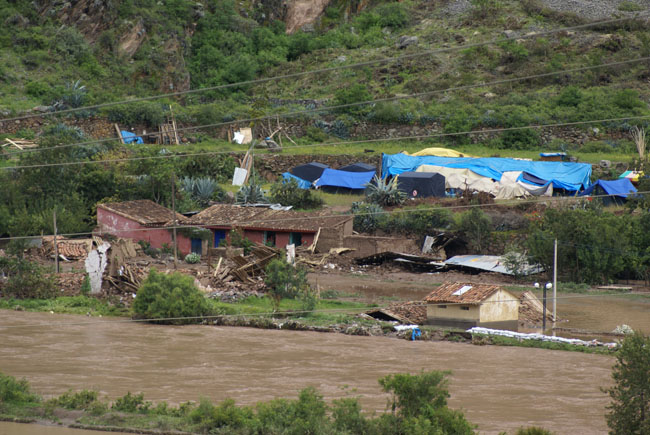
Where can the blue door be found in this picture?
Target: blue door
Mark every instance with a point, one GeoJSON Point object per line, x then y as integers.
{"type": "Point", "coordinates": [219, 235]}
{"type": "Point", "coordinates": [196, 246]}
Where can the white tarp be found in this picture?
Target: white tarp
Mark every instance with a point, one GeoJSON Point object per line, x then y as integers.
{"type": "Point", "coordinates": [457, 178]}
{"type": "Point", "coordinates": [239, 176]}
{"type": "Point", "coordinates": [535, 336]}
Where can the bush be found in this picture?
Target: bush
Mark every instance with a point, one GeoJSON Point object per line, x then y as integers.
{"type": "Point", "coordinates": [350, 96]}
{"type": "Point", "coordinates": [132, 403]}
{"type": "Point", "coordinates": [13, 390]}
{"type": "Point", "coordinates": [286, 281]}
{"type": "Point", "coordinates": [192, 258]}
{"type": "Point", "coordinates": [170, 297]}
{"type": "Point", "coordinates": [27, 280]}
{"type": "Point", "coordinates": [571, 96]}
{"type": "Point", "coordinates": [421, 221]}
{"type": "Point", "coordinates": [521, 139]}
{"type": "Point", "coordinates": [287, 192]}
{"type": "Point", "coordinates": [627, 99]}
{"type": "Point", "coordinates": [150, 114]}
{"type": "Point", "coordinates": [82, 400]}
{"type": "Point", "coordinates": [393, 15]}
{"type": "Point", "coordinates": [476, 228]}
{"type": "Point", "coordinates": [367, 217]}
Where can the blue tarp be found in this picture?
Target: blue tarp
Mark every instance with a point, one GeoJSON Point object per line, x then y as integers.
{"type": "Point", "coordinates": [563, 175]}
{"type": "Point", "coordinates": [129, 137]}
{"type": "Point", "coordinates": [621, 187]}
{"type": "Point", "coordinates": [303, 184]}
{"type": "Point", "coordinates": [351, 180]}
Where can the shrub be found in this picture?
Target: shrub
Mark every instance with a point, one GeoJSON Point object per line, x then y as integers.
{"type": "Point", "coordinates": [394, 15]}
{"type": "Point", "coordinates": [131, 403]}
{"type": "Point", "coordinates": [629, 6]}
{"type": "Point", "coordinates": [367, 217]}
{"type": "Point", "coordinates": [286, 281]}
{"type": "Point", "coordinates": [476, 227]}
{"type": "Point", "coordinates": [521, 139]}
{"type": "Point", "coordinates": [629, 410]}
{"type": "Point", "coordinates": [420, 221]}
{"type": "Point", "coordinates": [170, 297]}
{"type": "Point", "coordinates": [350, 96]}
{"type": "Point", "coordinates": [27, 280]}
{"type": "Point", "coordinates": [287, 192]}
{"type": "Point", "coordinates": [384, 193]}
{"type": "Point", "coordinates": [570, 96]}
{"type": "Point", "coordinates": [192, 258]}
{"type": "Point", "coordinates": [238, 240]}
{"type": "Point", "coordinates": [81, 400]}
{"type": "Point", "coordinates": [150, 114]}
{"type": "Point", "coordinates": [13, 390]}
{"type": "Point", "coordinates": [627, 99]}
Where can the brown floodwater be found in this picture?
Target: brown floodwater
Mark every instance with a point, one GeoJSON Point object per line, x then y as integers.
{"type": "Point", "coordinates": [7, 428]}
{"type": "Point", "coordinates": [499, 388]}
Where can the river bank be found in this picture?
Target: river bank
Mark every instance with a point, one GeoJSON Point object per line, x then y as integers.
{"type": "Point", "coordinates": [499, 388]}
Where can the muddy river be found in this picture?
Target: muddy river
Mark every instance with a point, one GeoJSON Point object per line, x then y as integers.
{"type": "Point", "coordinates": [499, 388]}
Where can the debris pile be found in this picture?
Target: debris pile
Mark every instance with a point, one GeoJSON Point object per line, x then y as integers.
{"type": "Point", "coordinates": [531, 310]}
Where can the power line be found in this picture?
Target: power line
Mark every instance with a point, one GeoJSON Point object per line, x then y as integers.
{"type": "Point", "coordinates": [270, 313]}
{"type": "Point", "coordinates": [330, 69]}
{"type": "Point", "coordinates": [213, 153]}
{"type": "Point", "coordinates": [359, 103]}
{"type": "Point", "coordinates": [306, 218]}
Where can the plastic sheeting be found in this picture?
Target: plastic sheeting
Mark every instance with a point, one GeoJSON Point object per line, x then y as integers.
{"type": "Point", "coordinates": [563, 175]}
{"type": "Point", "coordinates": [440, 152]}
{"type": "Point", "coordinates": [129, 137]}
{"type": "Point", "coordinates": [350, 180]}
{"type": "Point", "coordinates": [303, 184]}
{"type": "Point", "coordinates": [421, 184]}
{"type": "Point", "coordinates": [310, 171]}
{"type": "Point", "coordinates": [358, 167]}
{"type": "Point", "coordinates": [621, 187]}
{"type": "Point", "coordinates": [458, 178]}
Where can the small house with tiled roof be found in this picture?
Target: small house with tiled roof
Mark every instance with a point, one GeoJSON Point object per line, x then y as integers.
{"type": "Point", "coordinates": [465, 305]}
{"type": "Point", "coordinates": [265, 225]}
{"type": "Point", "coordinates": [142, 220]}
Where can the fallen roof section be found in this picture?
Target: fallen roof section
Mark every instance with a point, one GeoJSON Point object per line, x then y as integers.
{"type": "Point", "coordinates": [490, 263]}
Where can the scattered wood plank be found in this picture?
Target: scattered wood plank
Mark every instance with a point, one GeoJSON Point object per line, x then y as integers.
{"type": "Point", "coordinates": [119, 133]}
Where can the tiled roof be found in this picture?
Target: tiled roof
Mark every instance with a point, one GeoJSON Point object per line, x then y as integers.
{"type": "Point", "coordinates": [467, 293]}
{"type": "Point", "coordinates": [227, 215]}
{"type": "Point", "coordinates": [143, 211]}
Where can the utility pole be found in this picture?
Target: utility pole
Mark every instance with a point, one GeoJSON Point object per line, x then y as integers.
{"type": "Point", "coordinates": [174, 220]}
{"type": "Point", "coordinates": [555, 282]}
{"type": "Point", "coordinates": [56, 246]}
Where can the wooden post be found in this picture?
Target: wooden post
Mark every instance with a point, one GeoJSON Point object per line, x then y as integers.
{"type": "Point", "coordinates": [174, 220]}
{"type": "Point", "coordinates": [56, 246]}
{"type": "Point", "coordinates": [174, 126]}
{"type": "Point", "coordinates": [119, 133]}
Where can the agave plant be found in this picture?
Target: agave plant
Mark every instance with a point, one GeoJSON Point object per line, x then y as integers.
{"type": "Point", "coordinates": [186, 184]}
{"type": "Point", "coordinates": [251, 194]}
{"type": "Point", "coordinates": [204, 188]}
{"type": "Point", "coordinates": [384, 193]}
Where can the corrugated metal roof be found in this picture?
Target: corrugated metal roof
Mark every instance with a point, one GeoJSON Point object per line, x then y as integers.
{"type": "Point", "coordinates": [227, 215]}
{"type": "Point", "coordinates": [490, 263]}
{"type": "Point", "coordinates": [143, 211]}
{"type": "Point", "coordinates": [472, 294]}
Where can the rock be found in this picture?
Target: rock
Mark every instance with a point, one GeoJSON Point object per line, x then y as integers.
{"type": "Point", "coordinates": [605, 164]}
{"type": "Point", "coordinates": [341, 59]}
{"type": "Point", "coordinates": [405, 41]}
{"type": "Point", "coordinates": [489, 95]}
{"type": "Point", "coordinates": [510, 34]}
{"type": "Point", "coordinates": [42, 109]}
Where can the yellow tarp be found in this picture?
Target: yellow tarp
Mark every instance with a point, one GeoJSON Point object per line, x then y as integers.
{"type": "Point", "coordinates": [439, 152]}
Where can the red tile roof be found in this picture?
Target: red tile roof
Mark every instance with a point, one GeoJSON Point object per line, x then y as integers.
{"type": "Point", "coordinates": [468, 293]}
{"type": "Point", "coordinates": [227, 215]}
{"type": "Point", "coordinates": [142, 211]}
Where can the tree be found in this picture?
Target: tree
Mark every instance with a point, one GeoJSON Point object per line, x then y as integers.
{"type": "Point", "coordinates": [630, 407]}
{"type": "Point", "coordinates": [172, 297]}
{"type": "Point", "coordinates": [419, 405]}
{"type": "Point", "coordinates": [286, 281]}
{"type": "Point", "coordinates": [287, 192]}
{"type": "Point", "coordinates": [476, 227]}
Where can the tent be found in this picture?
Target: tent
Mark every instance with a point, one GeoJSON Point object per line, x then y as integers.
{"type": "Point", "coordinates": [129, 137]}
{"type": "Point", "coordinates": [303, 184]}
{"type": "Point", "coordinates": [462, 179]}
{"type": "Point", "coordinates": [440, 152]}
{"type": "Point", "coordinates": [617, 189]}
{"type": "Point", "coordinates": [563, 175]}
{"type": "Point", "coordinates": [421, 184]}
{"type": "Point", "coordinates": [348, 180]}
{"type": "Point", "coordinates": [633, 176]}
{"type": "Point", "coordinates": [310, 171]}
{"type": "Point", "coordinates": [358, 167]}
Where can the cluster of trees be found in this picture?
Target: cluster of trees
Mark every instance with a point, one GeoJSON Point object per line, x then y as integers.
{"type": "Point", "coordinates": [29, 196]}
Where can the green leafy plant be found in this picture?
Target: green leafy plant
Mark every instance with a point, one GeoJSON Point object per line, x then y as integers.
{"type": "Point", "coordinates": [286, 281]}
{"type": "Point", "coordinates": [171, 298]}
{"type": "Point", "coordinates": [13, 390]}
{"type": "Point", "coordinates": [629, 412]}
{"type": "Point", "coordinates": [27, 280]}
{"type": "Point", "coordinates": [133, 403]}
{"type": "Point", "coordinates": [252, 193]}
{"type": "Point", "coordinates": [287, 192]}
{"type": "Point", "coordinates": [476, 228]}
{"type": "Point", "coordinates": [192, 258]}
{"type": "Point", "coordinates": [367, 217]}
{"type": "Point", "coordinates": [384, 193]}
{"type": "Point", "coordinates": [81, 400]}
